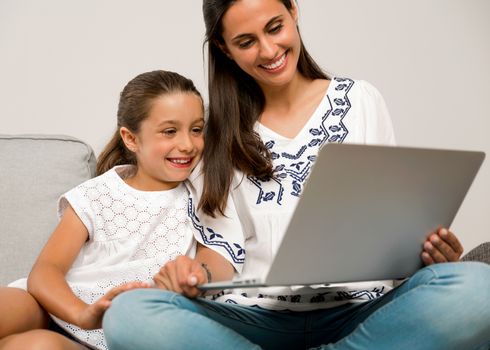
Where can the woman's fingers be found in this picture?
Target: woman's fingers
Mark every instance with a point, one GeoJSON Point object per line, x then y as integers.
{"type": "Point", "coordinates": [452, 241]}
{"type": "Point", "coordinates": [181, 275]}
{"type": "Point", "coordinates": [441, 246]}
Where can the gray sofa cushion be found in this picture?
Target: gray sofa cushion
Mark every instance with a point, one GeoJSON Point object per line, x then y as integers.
{"type": "Point", "coordinates": [34, 171]}
{"type": "Point", "coordinates": [480, 253]}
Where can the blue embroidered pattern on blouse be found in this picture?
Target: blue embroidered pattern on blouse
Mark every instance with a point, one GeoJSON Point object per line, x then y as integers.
{"type": "Point", "coordinates": [297, 165]}
{"type": "Point", "coordinates": [210, 237]}
{"type": "Point", "coordinates": [318, 298]}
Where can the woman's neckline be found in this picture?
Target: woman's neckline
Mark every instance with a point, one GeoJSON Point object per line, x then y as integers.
{"type": "Point", "coordinates": [308, 121]}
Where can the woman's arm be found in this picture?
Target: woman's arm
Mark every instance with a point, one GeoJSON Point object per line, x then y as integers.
{"type": "Point", "coordinates": [184, 274]}
{"type": "Point", "coordinates": [47, 282]}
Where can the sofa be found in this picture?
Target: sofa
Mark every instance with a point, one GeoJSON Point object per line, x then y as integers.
{"type": "Point", "coordinates": [34, 171]}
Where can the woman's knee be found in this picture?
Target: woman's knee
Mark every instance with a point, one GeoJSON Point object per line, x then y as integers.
{"type": "Point", "coordinates": [138, 312]}
{"type": "Point", "coordinates": [133, 306]}
{"type": "Point", "coordinates": [137, 301]}
{"type": "Point", "coordinates": [464, 288]}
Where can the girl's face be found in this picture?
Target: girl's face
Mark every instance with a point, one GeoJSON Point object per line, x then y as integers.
{"type": "Point", "coordinates": [170, 142]}
{"type": "Point", "coordinates": [262, 38]}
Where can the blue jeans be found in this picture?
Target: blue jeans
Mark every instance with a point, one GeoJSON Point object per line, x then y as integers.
{"type": "Point", "coordinates": [443, 306]}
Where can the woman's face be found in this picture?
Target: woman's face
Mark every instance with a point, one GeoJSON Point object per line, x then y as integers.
{"type": "Point", "coordinates": [262, 38]}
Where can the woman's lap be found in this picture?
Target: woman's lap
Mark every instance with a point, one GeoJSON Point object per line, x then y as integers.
{"type": "Point", "coordinates": [421, 313]}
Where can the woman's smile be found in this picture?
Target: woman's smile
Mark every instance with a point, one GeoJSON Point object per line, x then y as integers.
{"type": "Point", "coordinates": [278, 65]}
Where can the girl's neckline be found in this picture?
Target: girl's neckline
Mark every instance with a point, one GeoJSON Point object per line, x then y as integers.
{"type": "Point", "coordinates": [317, 110]}
{"type": "Point", "coordinates": [123, 171]}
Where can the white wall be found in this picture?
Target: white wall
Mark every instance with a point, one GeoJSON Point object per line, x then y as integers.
{"type": "Point", "coordinates": [64, 62]}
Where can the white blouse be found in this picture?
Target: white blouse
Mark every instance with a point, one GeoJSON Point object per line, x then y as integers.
{"type": "Point", "coordinates": [259, 211]}
{"type": "Point", "coordinates": [132, 234]}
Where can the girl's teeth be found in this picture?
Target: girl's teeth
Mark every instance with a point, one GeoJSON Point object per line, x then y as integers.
{"type": "Point", "coordinates": [276, 64]}
{"type": "Point", "coordinates": [180, 161]}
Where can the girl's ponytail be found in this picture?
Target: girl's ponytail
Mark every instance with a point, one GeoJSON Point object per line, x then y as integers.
{"type": "Point", "coordinates": [114, 153]}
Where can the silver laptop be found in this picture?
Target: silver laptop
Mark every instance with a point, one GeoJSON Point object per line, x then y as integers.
{"type": "Point", "coordinates": [365, 212]}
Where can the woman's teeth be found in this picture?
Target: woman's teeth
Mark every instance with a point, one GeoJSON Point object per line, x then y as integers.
{"type": "Point", "coordinates": [276, 64]}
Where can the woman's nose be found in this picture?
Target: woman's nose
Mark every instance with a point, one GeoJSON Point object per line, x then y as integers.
{"type": "Point", "coordinates": [268, 50]}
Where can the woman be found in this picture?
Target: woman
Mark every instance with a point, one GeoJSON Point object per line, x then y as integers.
{"type": "Point", "coordinates": [271, 109]}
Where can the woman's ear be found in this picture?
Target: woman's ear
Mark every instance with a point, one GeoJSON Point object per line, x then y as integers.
{"type": "Point", "coordinates": [129, 139]}
{"type": "Point", "coordinates": [224, 49]}
{"type": "Point", "coordinates": [294, 11]}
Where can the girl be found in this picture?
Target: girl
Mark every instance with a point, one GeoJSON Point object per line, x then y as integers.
{"type": "Point", "coordinates": [118, 229]}
{"type": "Point", "coordinates": [271, 109]}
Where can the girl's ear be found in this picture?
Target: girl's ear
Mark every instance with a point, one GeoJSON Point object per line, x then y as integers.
{"type": "Point", "coordinates": [129, 139]}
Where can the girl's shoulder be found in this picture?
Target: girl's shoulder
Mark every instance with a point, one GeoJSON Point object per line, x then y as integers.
{"type": "Point", "coordinates": [114, 175]}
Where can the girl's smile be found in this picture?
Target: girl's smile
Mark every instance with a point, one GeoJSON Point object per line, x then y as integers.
{"type": "Point", "coordinates": [169, 143]}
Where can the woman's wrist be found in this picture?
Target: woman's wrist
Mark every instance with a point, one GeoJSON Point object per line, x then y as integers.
{"type": "Point", "coordinates": [208, 272]}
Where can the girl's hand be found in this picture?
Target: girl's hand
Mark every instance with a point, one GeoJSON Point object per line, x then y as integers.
{"type": "Point", "coordinates": [181, 275]}
{"type": "Point", "coordinates": [91, 316]}
{"type": "Point", "coordinates": [441, 246]}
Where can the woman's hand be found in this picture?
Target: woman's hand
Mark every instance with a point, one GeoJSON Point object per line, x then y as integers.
{"type": "Point", "coordinates": [182, 276]}
{"type": "Point", "coordinates": [91, 316]}
{"type": "Point", "coordinates": [441, 246]}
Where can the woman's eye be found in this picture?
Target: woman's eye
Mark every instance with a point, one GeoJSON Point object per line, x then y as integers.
{"type": "Point", "coordinates": [276, 29]}
{"type": "Point", "coordinates": [197, 130]}
{"type": "Point", "coordinates": [245, 44]}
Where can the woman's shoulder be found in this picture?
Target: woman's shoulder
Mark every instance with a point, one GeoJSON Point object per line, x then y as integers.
{"type": "Point", "coordinates": [356, 87]}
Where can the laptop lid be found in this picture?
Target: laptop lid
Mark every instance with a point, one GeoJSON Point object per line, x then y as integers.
{"type": "Point", "coordinates": [365, 212]}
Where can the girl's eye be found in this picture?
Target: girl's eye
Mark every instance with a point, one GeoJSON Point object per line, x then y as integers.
{"type": "Point", "coordinates": [169, 132]}
{"type": "Point", "coordinates": [197, 130]}
{"type": "Point", "coordinates": [276, 29]}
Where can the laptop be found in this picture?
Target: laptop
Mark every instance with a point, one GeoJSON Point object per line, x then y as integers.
{"type": "Point", "coordinates": [364, 214]}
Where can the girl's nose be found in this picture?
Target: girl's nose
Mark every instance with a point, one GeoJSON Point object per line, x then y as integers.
{"type": "Point", "coordinates": [185, 143]}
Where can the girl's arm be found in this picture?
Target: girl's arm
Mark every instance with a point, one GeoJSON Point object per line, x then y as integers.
{"type": "Point", "coordinates": [47, 282]}
{"type": "Point", "coordinates": [184, 274]}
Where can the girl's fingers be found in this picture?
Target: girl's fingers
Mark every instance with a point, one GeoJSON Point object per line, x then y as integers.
{"type": "Point", "coordinates": [111, 294]}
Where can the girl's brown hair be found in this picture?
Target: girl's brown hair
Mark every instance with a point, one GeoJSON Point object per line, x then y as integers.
{"type": "Point", "coordinates": [135, 103]}
{"type": "Point", "coordinates": [235, 104]}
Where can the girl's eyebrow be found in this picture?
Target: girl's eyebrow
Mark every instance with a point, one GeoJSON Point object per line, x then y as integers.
{"type": "Point", "coordinates": [177, 122]}
{"type": "Point", "coordinates": [245, 35]}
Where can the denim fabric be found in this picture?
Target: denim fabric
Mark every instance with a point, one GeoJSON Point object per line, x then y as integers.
{"type": "Point", "coordinates": [443, 306]}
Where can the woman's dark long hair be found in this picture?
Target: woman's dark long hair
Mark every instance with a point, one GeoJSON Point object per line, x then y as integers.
{"type": "Point", "coordinates": [235, 104]}
{"type": "Point", "coordinates": [135, 103]}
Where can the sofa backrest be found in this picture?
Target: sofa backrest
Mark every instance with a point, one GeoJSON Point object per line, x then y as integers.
{"type": "Point", "coordinates": [34, 171]}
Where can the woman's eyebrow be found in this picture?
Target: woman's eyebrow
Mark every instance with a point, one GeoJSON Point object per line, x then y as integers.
{"type": "Point", "coordinates": [268, 24]}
